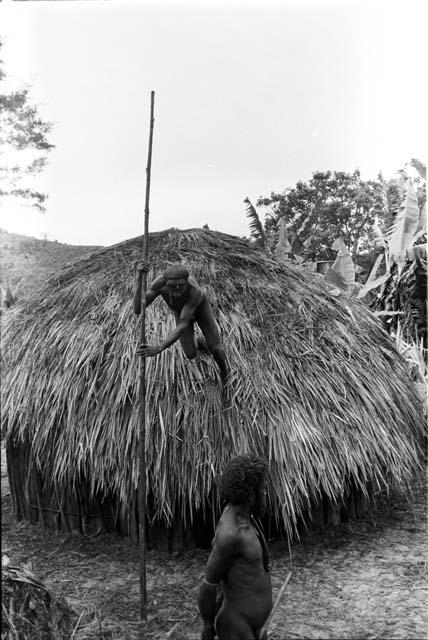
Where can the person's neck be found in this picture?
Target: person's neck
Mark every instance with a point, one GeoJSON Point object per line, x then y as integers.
{"type": "Point", "coordinates": [242, 510]}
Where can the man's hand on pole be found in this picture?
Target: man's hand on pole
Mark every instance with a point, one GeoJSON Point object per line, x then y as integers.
{"type": "Point", "coordinates": [141, 267]}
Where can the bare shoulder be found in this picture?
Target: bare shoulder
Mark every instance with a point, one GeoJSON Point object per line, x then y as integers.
{"type": "Point", "coordinates": [158, 284]}
{"type": "Point", "coordinates": [228, 533]}
{"type": "Point", "coordinates": [197, 294]}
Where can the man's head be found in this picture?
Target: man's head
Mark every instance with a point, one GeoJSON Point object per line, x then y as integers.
{"type": "Point", "coordinates": [176, 278]}
{"type": "Point", "coordinates": [244, 483]}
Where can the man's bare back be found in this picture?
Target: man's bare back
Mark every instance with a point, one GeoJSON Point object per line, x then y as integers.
{"type": "Point", "coordinates": [239, 560]}
{"type": "Point", "coordinates": [247, 585]}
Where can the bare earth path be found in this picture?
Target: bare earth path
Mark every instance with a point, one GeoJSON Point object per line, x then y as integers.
{"type": "Point", "coordinates": [366, 580]}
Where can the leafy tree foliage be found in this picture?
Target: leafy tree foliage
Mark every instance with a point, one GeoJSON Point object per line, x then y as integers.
{"type": "Point", "coordinates": [330, 205]}
{"type": "Point", "coordinates": [403, 294]}
{"type": "Point", "coordinates": [24, 144]}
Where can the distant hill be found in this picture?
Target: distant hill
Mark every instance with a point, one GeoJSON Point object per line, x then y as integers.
{"type": "Point", "coordinates": [26, 262]}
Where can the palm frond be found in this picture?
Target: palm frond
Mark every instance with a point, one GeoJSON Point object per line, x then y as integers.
{"type": "Point", "coordinates": [420, 167]}
{"type": "Point", "coordinates": [342, 272]}
{"type": "Point", "coordinates": [255, 224]}
{"type": "Point", "coordinates": [422, 226]}
{"type": "Point", "coordinates": [401, 233]}
{"type": "Point", "coordinates": [283, 247]}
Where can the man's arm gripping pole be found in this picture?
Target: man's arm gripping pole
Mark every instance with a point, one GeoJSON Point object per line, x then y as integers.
{"type": "Point", "coordinates": [142, 390]}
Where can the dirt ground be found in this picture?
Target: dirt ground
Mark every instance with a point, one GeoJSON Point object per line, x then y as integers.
{"type": "Point", "coordinates": [366, 579]}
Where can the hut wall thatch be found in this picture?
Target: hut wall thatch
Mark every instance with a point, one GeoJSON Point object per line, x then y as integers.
{"type": "Point", "coordinates": [316, 386]}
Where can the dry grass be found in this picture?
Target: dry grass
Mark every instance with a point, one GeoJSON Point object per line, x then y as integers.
{"type": "Point", "coordinates": [30, 611]}
{"type": "Point", "coordinates": [316, 384]}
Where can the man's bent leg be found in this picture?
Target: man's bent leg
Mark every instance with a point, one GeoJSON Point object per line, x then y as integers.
{"type": "Point", "coordinates": [187, 340]}
{"type": "Point", "coordinates": [231, 626]}
{"type": "Point", "coordinates": [220, 358]}
{"type": "Point", "coordinates": [207, 323]}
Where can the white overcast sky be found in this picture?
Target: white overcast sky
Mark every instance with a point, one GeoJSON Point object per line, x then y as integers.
{"type": "Point", "coordinates": [250, 98]}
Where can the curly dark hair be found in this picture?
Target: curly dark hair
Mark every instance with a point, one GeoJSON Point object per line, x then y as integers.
{"type": "Point", "coordinates": [242, 476]}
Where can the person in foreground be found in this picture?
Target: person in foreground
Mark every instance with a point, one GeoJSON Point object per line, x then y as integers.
{"type": "Point", "coordinates": [239, 558]}
{"type": "Point", "coordinates": [189, 304]}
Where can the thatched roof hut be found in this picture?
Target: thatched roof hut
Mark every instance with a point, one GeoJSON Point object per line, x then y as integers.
{"type": "Point", "coordinates": [317, 387]}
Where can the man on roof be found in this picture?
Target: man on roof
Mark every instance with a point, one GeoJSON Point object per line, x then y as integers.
{"type": "Point", "coordinates": [189, 304]}
{"type": "Point", "coordinates": [239, 559]}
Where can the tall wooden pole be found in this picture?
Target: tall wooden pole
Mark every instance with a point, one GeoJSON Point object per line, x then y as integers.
{"type": "Point", "coordinates": [142, 395]}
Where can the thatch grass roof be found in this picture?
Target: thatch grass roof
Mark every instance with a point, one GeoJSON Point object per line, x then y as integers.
{"type": "Point", "coordinates": [317, 385]}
